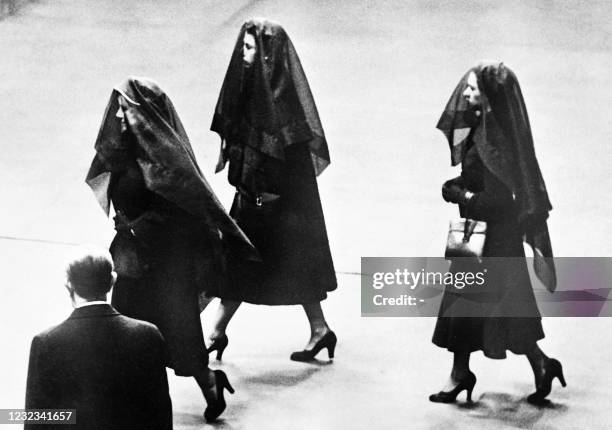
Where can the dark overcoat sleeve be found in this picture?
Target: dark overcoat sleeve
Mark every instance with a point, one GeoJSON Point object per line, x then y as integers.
{"type": "Point", "coordinates": [160, 403]}
{"type": "Point", "coordinates": [37, 396]}
{"type": "Point", "coordinates": [35, 393]}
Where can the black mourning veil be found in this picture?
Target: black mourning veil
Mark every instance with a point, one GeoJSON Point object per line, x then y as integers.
{"type": "Point", "coordinates": [279, 109]}
{"type": "Point", "coordinates": [164, 156]}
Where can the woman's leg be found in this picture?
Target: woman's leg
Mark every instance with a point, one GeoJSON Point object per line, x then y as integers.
{"type": "Point", "coordinates": [213, 383]}
{"type": "Point", "coordinates": [461, 378]}
{"type": "Point", "coordinates": [318, 325]}
{"type": "Point", "coordinates": [206, 380]}
{"type": "Point", "coordinates": [537, 360]}
{"type": "Point", "coordinates": [545, 370]}
{"type": "Point", "coordinates": [460, 370]}
{"type": "Point", "coordinates": [225, 312]}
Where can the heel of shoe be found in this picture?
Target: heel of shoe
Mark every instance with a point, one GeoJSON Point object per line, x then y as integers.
{"type": "Point", "coordinates": [558, 371]}
{"type": "Point", "coordinates": [219, 345]}
{"type": "Point", "coordinates": [223, 381]}
{"type": "Point", "coordinates": [220, 354]}
{"type": "Point", "coordinates": [331, 346]}
{"type": "Point", "coordinates": [330, 351]}
{"type": "Point", "coordinates": [229, 386]}
{"type": "Point", "coordinates": [562, 379]}
{"type": "Point", "coordinates": [469, 386]}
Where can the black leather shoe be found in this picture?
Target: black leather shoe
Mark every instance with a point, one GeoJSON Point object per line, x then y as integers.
{"type": "Point", "coordinates": [552, 370]}
{"type": "Point", "coordinates": [219, 344]}
{"type": "Point", "coordinates": [467, 383]}
{"type": "Point", "coordinates": [216, 408]}
{"type": "Point", "coordinates": [328, 341]}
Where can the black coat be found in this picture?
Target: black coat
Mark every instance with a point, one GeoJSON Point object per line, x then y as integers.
{"type": "Point", "coordinates": [108, 367]}
{"type": "Point", "coordinates": [176, 258]}
{"type": "Point", "coordinates": [274, 141]}
{"type": "Point", "coordinates": [505, 314]}
{"type": "Point", "coordinates": [290, 235]}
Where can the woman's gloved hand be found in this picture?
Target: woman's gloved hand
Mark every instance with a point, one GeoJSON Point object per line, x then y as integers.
{"type": "Point", "coordinates": [453, 191]}
{"type": "Point", "coordinates": [455, 181]}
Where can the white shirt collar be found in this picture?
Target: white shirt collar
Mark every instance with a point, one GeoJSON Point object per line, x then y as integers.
{"type": "Point", "coordinates": [95, 302]}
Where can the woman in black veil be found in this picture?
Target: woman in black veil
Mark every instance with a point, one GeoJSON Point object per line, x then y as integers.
{"type": "Point", "coordinates": [274, 142]}
{"type": "Point", "coordinates": [487, 127]}
{"type": "Point", "coordinates": [172, 232]}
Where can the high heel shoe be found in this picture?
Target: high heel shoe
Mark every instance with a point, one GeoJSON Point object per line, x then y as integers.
{"type": "Point", "coordinates": [328, 341]}
{"type": "Point", "coordinates": [552, 370]}
{"type": "Point", "coordinates": [219, 344]}
{"type": "Point", "coordinates": [214, 409]}
{"type": "Point", "coordinates": [467, 383]}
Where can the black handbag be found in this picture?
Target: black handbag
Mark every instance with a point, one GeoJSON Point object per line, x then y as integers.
{"type": "Point", "coordinates": [131, 255]}
{"type": "Point", "coordinates": [466, 238]}
{"type": "Point", "coordinates": [128, 256]}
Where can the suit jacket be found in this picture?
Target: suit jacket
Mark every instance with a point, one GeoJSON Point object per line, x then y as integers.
{"type": "Point", "coordinates": [108, 367]}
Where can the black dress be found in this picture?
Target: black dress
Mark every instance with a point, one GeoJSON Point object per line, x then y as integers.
{"type": "Point", "coordinates": [508, 297]}
{"type": "Point", "coordinates": [288, 232]}
{"type": "Point", "coordinates": [174, 257]}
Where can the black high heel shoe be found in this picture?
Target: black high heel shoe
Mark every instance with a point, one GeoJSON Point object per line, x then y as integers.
{"type": "Point", "coordinates": [552, 370]}
{"type": "Point", "coordinates": [215, 409]}
{"type": "Point", "coordinates": [219, 344]}
{"type": "Point", "coordinates": [328, 341]}
{"type": "Point", "coordinates": [467, 383]}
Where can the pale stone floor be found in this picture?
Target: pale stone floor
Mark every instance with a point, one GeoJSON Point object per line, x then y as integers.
{"type": "Point", "coordinates": [381, 73]}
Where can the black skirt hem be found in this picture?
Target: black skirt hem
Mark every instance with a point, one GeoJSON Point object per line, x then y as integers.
{"type": "Point", "coordinates": [282, 302]}
{"type": "Point", "coordinates": [493, 354]}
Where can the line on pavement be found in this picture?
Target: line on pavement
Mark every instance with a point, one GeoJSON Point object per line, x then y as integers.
{"type": "Point", "coordinates": [27, 239]}
{"type": "Point", "coordinates": [59, 242]}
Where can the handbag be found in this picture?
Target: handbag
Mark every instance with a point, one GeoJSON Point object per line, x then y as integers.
{"type": "Point", "coordinates": [466, 238]}
{"type": "Point", "coordinates": [128, 256]}
{"type": "Point", "coordinates": [131, 255]}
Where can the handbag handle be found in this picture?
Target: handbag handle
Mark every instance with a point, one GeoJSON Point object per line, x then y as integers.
{"type": "Point", "coordinates": [468, 227]}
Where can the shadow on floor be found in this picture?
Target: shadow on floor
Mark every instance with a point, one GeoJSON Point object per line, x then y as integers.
{"type": "Point", "coordinates": [186, 420]}
{"type": "Point", "coordinates": [280, 379]}
{"type": "Point", "coordinates": [262, 385]}
{"type": "Point", "coordinates": [511, 410]}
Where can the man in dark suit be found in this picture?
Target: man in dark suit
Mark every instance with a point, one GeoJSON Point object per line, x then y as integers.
{"type": "Point", "coordinates": [108, 367]}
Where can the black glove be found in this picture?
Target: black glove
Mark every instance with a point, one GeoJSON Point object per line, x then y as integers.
{"type": "Point", "coordinates": [453, 193]}
{"type": "Point", "coordinates": [455, 181]}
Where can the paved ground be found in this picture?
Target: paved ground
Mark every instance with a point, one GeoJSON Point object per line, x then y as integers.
{"type": "Point", "coordinates": [380, 73]}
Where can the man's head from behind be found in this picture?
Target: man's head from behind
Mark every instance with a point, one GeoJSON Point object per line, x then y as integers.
{"type": "Point", "coordinates": [89, 274]}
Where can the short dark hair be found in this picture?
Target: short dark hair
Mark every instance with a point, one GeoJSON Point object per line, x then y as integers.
{"type": "Point", "coordinates": [90, 273]}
